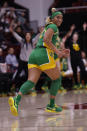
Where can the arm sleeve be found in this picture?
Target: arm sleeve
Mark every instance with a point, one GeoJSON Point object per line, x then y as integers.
{"type": "Point", "coordinates": [53, 26]}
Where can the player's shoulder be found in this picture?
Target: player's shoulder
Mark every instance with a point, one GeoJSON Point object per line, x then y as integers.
{"type": "Point", "coordinates": [52, 26]}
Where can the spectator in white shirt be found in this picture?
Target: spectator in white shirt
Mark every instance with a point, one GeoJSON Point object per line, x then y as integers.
{"type": "Point", "coordinates": [25, 50]}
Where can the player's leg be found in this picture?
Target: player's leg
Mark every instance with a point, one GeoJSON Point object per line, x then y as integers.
{"type": "Point", "coordinates": [33, 77]}
{"type": "Point", "coordinates": [54, 74]}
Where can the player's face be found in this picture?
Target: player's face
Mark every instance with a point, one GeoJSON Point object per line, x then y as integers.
{"type": "Point", "coordinates": [58, 20]}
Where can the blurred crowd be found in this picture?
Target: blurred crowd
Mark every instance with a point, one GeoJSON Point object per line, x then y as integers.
{"type": "Point", "coordinates": [17, 40]}
{"type": "Point", "coordinates": [10, 16]}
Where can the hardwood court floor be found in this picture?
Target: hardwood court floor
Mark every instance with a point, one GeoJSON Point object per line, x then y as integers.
{"type": "Point", "coordinates": [32, 116]}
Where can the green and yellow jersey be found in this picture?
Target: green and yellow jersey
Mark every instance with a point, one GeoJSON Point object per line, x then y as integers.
{"type": "Point", "coordinates": [42, 56]}
{"type": "Point", "coordinates": [54, 38]}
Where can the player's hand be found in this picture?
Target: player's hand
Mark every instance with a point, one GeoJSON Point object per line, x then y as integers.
{"type": "Point", "coordinates": [66, 52]}
{"type": "Point", "coordinates": [63, 53]}
{"type": "Point", "coordinates": [59, 53]}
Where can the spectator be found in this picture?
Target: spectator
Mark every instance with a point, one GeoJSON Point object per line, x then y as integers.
{"type": "Point", "coordinates": [1, 33]}
{"type": "Point", "coordinates": [19, 31]}
{"type": "Point", "coordinates": [84, 59]}
{"type": "Point", "coordinates": [21, 18]}
{"type": "Point", "coordinates": [83, 37]}
{"type": "Point", "coordinates": [3, 65]}
{"type": "Point", "coordinates": [26, 26]}
{"type": "Point", "coordinates": [33, 34]}
{"type": "Point", "coordinates": [76, 59]}
{"type": "Point", "coordinates": [11, 13]}
{"type": "Point", "coordinates": [25, 50]}
{"type": "Point", "coordinates": [11, 60]}
{"type": "Point", "coordinates": [3, 9]}
{"type": "Point", "coordinates": [2, 60]}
